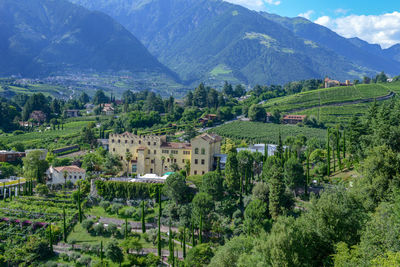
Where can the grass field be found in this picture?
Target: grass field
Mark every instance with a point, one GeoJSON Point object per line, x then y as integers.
{"type": "Point", "coordinates": [328, 96]}
{"type": "Point", "coordinates": [258, 132]}
{"type": "Point", "coordinates": [46, 138]}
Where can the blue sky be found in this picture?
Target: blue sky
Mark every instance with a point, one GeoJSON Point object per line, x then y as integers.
{"type": "Point", "coordinates": [376, 22]}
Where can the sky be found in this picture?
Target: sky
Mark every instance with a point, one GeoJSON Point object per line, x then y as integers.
{"type": "Point", "coordinates": [377, 22]}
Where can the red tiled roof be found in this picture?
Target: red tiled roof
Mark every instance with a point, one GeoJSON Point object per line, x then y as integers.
{"type": "Point", "coordinates": [294, 117]}
{"type": "Point", "coordinates": [69, 169]}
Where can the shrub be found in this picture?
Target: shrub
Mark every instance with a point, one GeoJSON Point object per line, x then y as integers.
{"type": "Point", "coordinates": [115, 208]}
{"type": "Point", "coordinates": [99, 228]}
{"type": "Point", "coordinates": [129, 212]}
{"type": "Point", "coordinates": [64, 256]}
{"type": "Point", "coordinates": [88, 224]}
{"type": "Point", "coordinates": [85, 260]}
{"type": "Point", "coordinates": [112, 229]}
{"type": "Point", "coordinates": [105, 204]}
{"type": "Point", "coordinates": [74, 256]}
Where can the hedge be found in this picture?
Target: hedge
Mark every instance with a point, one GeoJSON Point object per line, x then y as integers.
{"type": "Point", "coordinates": [127, 190]}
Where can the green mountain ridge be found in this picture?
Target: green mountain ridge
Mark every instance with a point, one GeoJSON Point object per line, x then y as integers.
{"type": "Point", "coordinates": [196, 38]}
{"type": "Point", "coordinates": [41, 37]}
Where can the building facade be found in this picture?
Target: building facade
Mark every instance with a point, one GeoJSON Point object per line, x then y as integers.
{"type": "Point", "coordinates": [10, 156]}
{"type": "Point", "coordinates": [57, 175]}
{"type": "Point", "coordinates": [153, 154]}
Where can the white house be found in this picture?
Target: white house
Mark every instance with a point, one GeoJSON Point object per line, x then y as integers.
{"type": "Point", "coordinates": [73, 173]}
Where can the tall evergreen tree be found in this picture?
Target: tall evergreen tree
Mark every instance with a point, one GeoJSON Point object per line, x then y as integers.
{"type": "Point", "coordinates": [159, 223]}
{"type": "Point", "coordinates": [328, 152]}
{"type": "Point", "coordinates": [276, 192]}
{"type": "Point", "coordinates": [232, 180]}
{"type": "Point", "coordinates": [143, 219]}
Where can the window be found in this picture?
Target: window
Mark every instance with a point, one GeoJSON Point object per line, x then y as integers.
{"type": "Point", "coordinates": [112, 141]}
{"type": "Point", "coordinates": [75, 177]}
{"type": "Point", "coordinates": [202, 162]}
{"type": "Point", "coordinates": [113, 149]}
{"type": "Point", "coordinates": [174, 152]}
{"type": "Point", "coordinates": [183, 161]}
{"type": "Point", "coordinates": [127, 150]}
{"type": "Point", "coordinates": [151, 170]}
{"type": "Point", "coordinates": [140, 142]}
{"type": "Point", "coordinates": [196, 151]}
{"type": "Point", "coordinates": [175, 160]}
{"type": "Point", "coordinates": [70, 177]}
{"type": "Point", "coordinates": [152, 161]}
{"type": "Point", "coordinates": [149, 152]}
{"type": "Point", "coordinates": [155, 152]}
{"type": "Point", "coordinates": [195, 172]}
{"type": "Point", "coordinates": [196, 161]}
{"type": "Point", "coordinates": [148, 143]}
{"type": "Point", "coordinates": [168, 160]}
{"type": "Point", "coordinates": [203, 151]}
{"type": "Point", "coordinates": [155, 143]}
{"type": "Point", "coordinates": [134, 168]}
{"type": "Point", "coordinates": [122, 158]}
{"type": "Point", "coordinates": [126, 141]}
{"type": "Point", "coordinates": [202, 172]}
{"type": "Point", "coordinates": [165, 151]}
{"type": "Point", "coordinates": [80, 177]}
{"type": "Point", "coordinates": [186, 152]}
{"type": "Point", "coordinates": [119, 141]}
{"type": "Point", "coordinates": [131, 141]}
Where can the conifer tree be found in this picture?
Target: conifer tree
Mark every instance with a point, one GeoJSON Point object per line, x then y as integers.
{"type": "Point", "coordinates": [159, 223]}
{"type": "Point", "coordinates": [328, 153]}
{"type": "Point", "coordinates": [143, 219]}
{"type": "Point", "coordinates": [64, 227]}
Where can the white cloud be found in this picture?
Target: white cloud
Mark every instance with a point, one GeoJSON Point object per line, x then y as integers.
{"type": "Point", "coordinates": [341, 11]}
{"type": "Point", "coordinates": [255, 4]}
{"type": "Point", "coordinates": [307, 14]}
{"type": "Point", "coordinates": [382, 29]}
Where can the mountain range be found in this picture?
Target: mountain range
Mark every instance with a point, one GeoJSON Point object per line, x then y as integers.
{"type": "Point", "coordinates": [189, 40]}
{"type": "Point", "coordinates": [45, 36]}
{"type": "Point", "coordinates": [213, 40]}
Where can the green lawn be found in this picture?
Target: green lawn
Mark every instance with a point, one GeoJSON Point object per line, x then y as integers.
{"type": "Point", "coordinates": [327, 96]}
{"type": "Point", "coordinates": [258, 132]}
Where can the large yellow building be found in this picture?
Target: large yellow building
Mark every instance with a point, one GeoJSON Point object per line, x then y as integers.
{"type": "Point", "coordinates": [153, 154]}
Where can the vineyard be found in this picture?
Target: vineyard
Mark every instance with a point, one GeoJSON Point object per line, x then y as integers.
{"type": "Point", "coordinates": [328, 96]}
{"type": "Point", "coordinates": [258, 132]}
{"type": "Point", "coordinates": [47, 138]}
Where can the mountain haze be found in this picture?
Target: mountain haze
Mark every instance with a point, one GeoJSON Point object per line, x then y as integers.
{"type": "Point", "coordinates": [356, 50]}
{"type": "Point", "coordinates": [214, 40]}
{"type": "Point", "coordinates": [39, 37]}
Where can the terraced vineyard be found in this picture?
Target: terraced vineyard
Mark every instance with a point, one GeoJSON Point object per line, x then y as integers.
{"type": "Point", "coordinates": [258, 132]}
{"type": "Point", "coordinates": [328, 96]}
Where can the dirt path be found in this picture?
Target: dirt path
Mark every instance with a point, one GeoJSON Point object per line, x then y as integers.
{"type": "Point", "coordinates": [352, 102]}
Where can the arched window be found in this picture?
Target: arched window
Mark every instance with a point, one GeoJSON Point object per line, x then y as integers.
{"type": "Point", "coordinates": [196, 151]}
{"type": "Point", "coordinates": [203, 151]}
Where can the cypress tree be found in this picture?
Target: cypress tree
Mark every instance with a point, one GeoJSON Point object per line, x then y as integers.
{"type": "Point", "coordinates": [334, 159]}
{"type": "Point", "coordinates": [143, 219]}
{"type": "Point", "coordinates": [193, 239]}
{"type": "Point", "coordinates": [4, 191]}
{"type": "Point", "coordinates": [50, 239]}
{"type": "Point", "coordinates": [159, 224]}
{"type": "Point", "coordinates": [64, 227]}
{"type": "Point", "coordinates": [126, 228]}
{"type": "Point", "coordinates": [338, 147]}
{"type": "Point", "coordinates": [170, 245]}
{"type": "Point", "coordinates": [19, 187]}
{"type": "Point", "coordinates": [201, 229]}
{"type": "Point", "coordinates": [101, 253]}
{"type": "Point", "coordinates": [328, 152]}
{"type": "Point", "coordinates": [79, 203]}
{"type": "Point", "coordinates": [11, 192]}
{"type": "Point", "coordinates": [265, 152]}
{"type": "Point", "coordinates": [184, 242]}
{"type": "Point", "coordinates": [308, 173]}
{"type": "Point", "coordinates": [344, 144]}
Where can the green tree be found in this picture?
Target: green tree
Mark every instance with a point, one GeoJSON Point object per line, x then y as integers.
{"type": "Point", "coordinates": [199, 255]}
{"type": "Point", "coordinates": [212, 184]}
{"type": "Point", "coordinates": [255, 217]}
{"type": "Point", "coordinates": [294, 174]}
{"type": "Point", "coordinates": [114, 252]}
{"type": "Point", "coordinates": [257, 113]}
{"type": "Point", "coordinates": [35, 166]}
{"type": "Point", "coordinates": [232, 179]}
{"type": "Point", "coordinates": [176, 189]}
{"type": "Point", "coordinates": [276, 193]}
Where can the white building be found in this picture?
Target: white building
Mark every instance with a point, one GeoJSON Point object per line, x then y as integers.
{"type": "Point", "coordinates": [260, 148]}
{"type": "Point", "coordinates": [73, 173]}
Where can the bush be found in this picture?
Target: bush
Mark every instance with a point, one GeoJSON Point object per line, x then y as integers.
{"type": "Point", "coordinates": [88, 224]}
{"type": "Point", "coordinates": [99, 229]}
{"type": "Point", "coordinates": [85, 260]}
{"type": "Point", "coordinates": [105, 204]}
{"type": "Point", "coordinates": [74, 256]}
{"type": "Point", "coordinates": [123, 229]}
{"type": "Point", "coordinates": [129, 212]}
{"type": "Point", "coordinates": [64, 256]}
{"type": "Point", "coordinates": [85, 247]}
{"type": "Point", "coordinates": [116, 207]}
{"type": "Point", "coordinates": [112, 229]}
